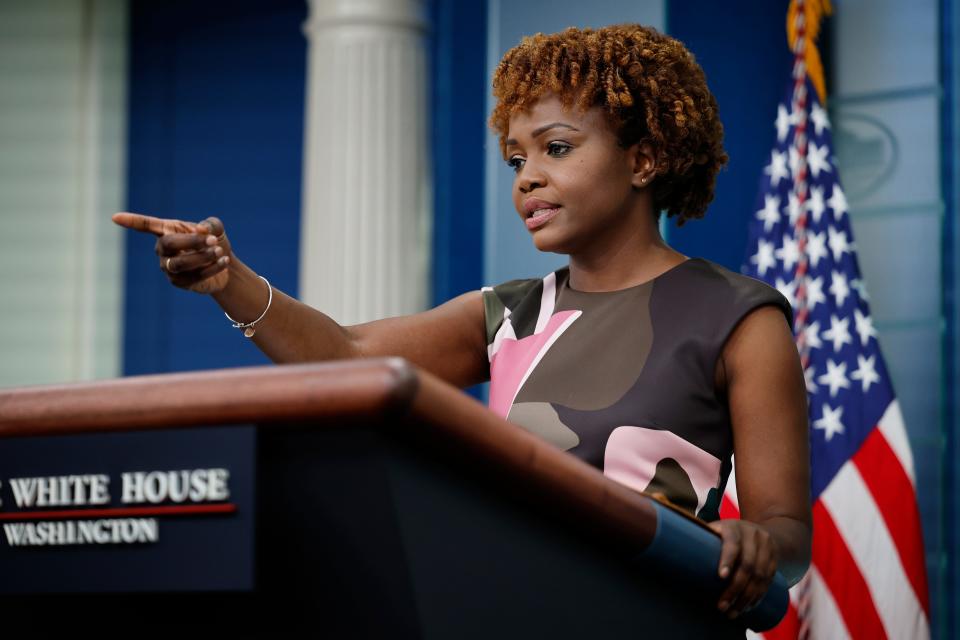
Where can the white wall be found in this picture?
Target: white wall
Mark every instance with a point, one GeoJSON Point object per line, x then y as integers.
{"type": "Point", "coordinates": [62, 130]}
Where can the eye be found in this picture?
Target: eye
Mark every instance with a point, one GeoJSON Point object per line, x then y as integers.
{"type": "Point", "coordinates": [515, 163]}
{"type": "Point", "coordinates": [558, 149]}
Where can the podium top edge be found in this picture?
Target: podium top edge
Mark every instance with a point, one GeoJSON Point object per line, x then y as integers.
{"type": "Point", "coordinates": [358, 388]}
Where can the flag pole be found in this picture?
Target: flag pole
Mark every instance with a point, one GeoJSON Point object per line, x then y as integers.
{"type": "Point", "coordinates": [800, 38]}
{"type": "Point", "coordinates": [803, 25]}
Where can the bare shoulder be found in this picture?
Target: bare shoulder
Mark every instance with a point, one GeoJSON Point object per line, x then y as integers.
{"type": "Point", "coordinates": [462, 316]}
{"type": "Point", "coordinates": [466, 304]}
{"type": "Point", "coordinates": [763, 335]}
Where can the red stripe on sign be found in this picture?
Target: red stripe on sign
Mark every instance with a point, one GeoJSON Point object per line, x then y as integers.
{"type": "Point", "coordinates": [896, 500]}
{"type": "Point", "coordinates": [787, 629]}
{"type": "Point", "coordinates": [123, 512]}
{"type": "Point", "coordinates": [842, 576]}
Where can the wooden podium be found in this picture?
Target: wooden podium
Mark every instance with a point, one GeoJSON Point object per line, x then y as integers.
{"type": "Point", "coordinates": [367, 499]}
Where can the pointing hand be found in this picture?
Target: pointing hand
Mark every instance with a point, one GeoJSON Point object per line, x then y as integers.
{"type": "Point", "coordinates": [193, 255]}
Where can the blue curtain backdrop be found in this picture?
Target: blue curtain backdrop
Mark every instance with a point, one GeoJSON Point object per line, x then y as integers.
{"type": "Point", "coordinates": [216, 99]}
{"type": "Point", "coordinates": [459, 89]}
{"type": "Point", "coordinates": [747, 79]}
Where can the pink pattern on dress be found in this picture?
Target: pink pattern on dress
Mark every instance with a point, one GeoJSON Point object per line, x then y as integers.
{"type": "Point", "coordinates": [510, 365]}
{"type": "Point", "coordinates": [632, 454]}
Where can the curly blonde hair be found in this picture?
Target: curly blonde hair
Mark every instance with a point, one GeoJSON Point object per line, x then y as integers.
{"type": "Point", "coordinates": [652, 89]}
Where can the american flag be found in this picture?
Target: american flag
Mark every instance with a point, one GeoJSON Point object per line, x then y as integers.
{"type": "Point", "coordinates": [867, 578]}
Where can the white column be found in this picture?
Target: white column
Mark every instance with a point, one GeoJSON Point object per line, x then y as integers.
{"type": "Point", "coordinates": [365, 246]}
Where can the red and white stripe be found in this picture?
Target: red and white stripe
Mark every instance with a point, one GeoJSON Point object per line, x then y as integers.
{"type": "Point", "coordinates": [867, 578]}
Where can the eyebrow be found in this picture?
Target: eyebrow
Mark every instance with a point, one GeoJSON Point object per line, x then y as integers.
{"type": "Point", "coordinates": [540, 130]}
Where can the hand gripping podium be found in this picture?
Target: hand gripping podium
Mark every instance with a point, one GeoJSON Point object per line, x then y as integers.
{"type": "Point", "coordinates": [347, 500]}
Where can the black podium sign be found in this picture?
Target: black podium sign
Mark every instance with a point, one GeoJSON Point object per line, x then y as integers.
{"type": "Point", "coordinates": [131, 512]}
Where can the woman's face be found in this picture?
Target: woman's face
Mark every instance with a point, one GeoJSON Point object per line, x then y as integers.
{"type": "Point", "coordinates": [574, 183]}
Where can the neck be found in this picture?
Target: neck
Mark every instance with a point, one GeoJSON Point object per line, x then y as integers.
{"type": "Point", "coordinates": [625, 260]}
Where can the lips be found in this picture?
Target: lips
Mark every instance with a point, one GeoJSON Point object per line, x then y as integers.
{"type": "Point", "coordinates": [532, 205]}
{"type": "Point", "coordinates": [540, 218]}
{"type": "Point", "coordinates": [539, 212]}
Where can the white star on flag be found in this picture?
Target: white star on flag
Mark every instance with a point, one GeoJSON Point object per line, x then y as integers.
{"type": "Point", "coordinates": [815, 205]}
{"type": "Point", "coordinates": [777, 169]}
{"type": "Point", "coordinates": [811, 335]}
{"type": "Point", "coordinates": [818, 115]}
{"type": "Point", "coordinates": [839, 287]}
{"type": "Point", "coordinates": [816, 247]}
{"type": "Point", "coordinates": [839, 332]}
{"type": "Point", "coordinates": [782, 123]}
{"type": "Point", "coordinates": [789, 254]}
{"type": "Point", "coordinates": [817, 159]}
{"type": "Point", "coordinates": [866, 371]}
{"type": "Point", "coordinates": [815, 293]}
{"type": "Point", "coordinates": [837, 202]}
{"type": "Point", "coordinates": [770, 214]}
{"type": "Point", "coordinates": [830, 421]}
{"type": "Point", "coordinates": [864, 326]}
{"type": "Point", "coordinates": [835, 377]}
{"type": "Point", "coordinates": [788, 290]}
{"type": "Point", "coordinates": [764, 259]}
{"type": "Point", "coordinates": [838, 243]}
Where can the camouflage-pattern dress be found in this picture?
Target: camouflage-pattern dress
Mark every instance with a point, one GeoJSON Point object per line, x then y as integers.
{"type": "Point", "coordinates": [624, 379]}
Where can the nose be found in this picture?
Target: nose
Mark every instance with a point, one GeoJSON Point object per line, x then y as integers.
{"type": "Point", "coordinates": [530, 178]}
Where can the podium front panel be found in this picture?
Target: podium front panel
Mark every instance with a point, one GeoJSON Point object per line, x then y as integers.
{"type": "Point", "coordinates": [128, 512]}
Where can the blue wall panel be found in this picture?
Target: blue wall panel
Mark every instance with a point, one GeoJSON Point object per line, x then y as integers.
{"type": "Point", "coordinates": [216, 126]}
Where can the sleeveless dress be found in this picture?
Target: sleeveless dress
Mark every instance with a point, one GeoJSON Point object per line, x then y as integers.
{"type": "Point", "coordinates": [624, 380]}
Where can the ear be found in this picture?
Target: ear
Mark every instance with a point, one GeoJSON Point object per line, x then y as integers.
{"type": "Point", "coordinates": [643, 164]}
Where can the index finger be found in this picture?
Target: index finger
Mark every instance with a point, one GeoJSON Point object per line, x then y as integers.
{"type": "Point", "coordinates": [149, 224]}
{"type": "Point", "coordinates": [211, 225]}
{"type": "Point", "coordinates": [729, 549]}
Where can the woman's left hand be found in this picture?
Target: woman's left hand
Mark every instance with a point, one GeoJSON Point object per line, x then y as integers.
{"type": "Point", "coordinates": [749, 558]}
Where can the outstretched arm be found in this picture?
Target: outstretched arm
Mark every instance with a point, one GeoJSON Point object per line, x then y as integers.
{"type": "Point", "coordinates": [760, 369]}
{"type": "Point", "coordinates": [448, 341]}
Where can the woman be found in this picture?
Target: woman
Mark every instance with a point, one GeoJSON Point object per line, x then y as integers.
{"type": "Point", "coordinates": [651, 366]}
